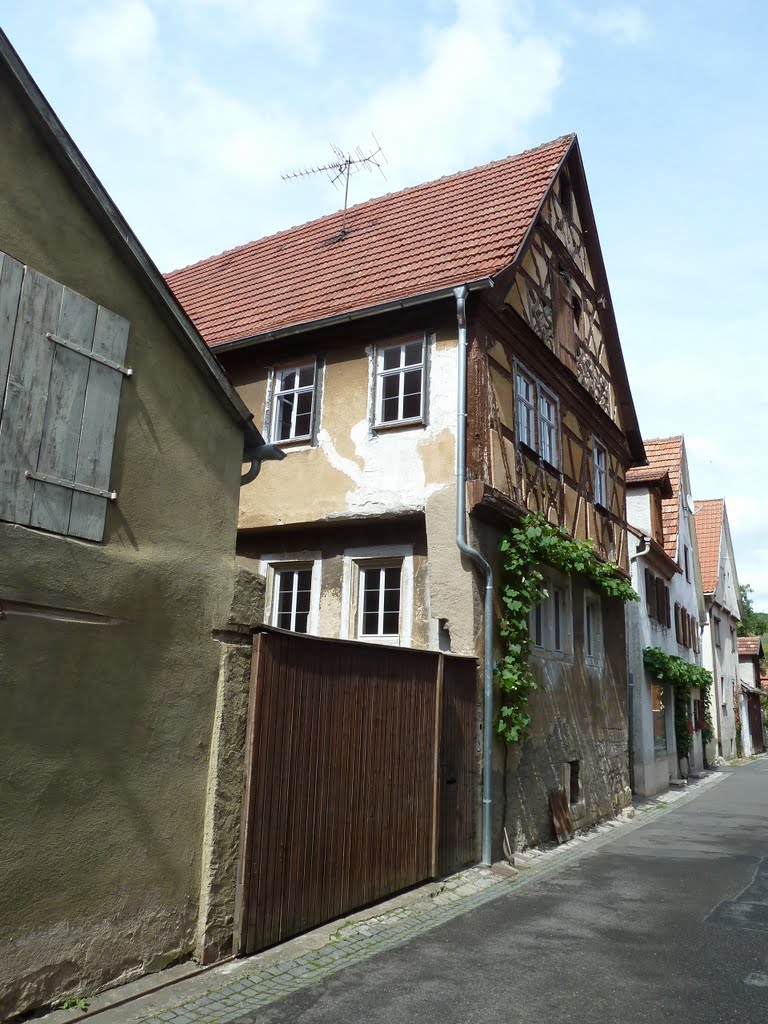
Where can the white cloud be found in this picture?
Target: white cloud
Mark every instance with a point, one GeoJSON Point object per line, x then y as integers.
{"type": "Point", "coordinates": [293, 24]}
{"type": "Point", "coordinates": [481, 80]}
{"type": "Point", "coordinates": [624, 25]}
{"type": "Point", "coordinates": [114, 35]}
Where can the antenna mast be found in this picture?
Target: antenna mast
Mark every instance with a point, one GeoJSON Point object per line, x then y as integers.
{"type": "Point", "coordinates": [340, 168]}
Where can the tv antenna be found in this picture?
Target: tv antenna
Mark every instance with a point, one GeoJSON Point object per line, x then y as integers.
{"type": "Point", "coordinates": [341, 167]}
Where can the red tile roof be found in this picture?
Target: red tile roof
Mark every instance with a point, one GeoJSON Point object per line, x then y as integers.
{"type": "Point", "coordinates": [749, 645]}
{"type": "Point", "coordinates": [438, 235]}
{"type": "Point", "coordinates": [709, 526]}
{"type": "Point", "coordinates": [644, 475]}
{"type": "Point", "coordinates": [666, 454]}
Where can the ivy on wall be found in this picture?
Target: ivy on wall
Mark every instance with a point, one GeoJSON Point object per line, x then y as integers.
{"type": "Point", "coordinates": [524, 549]}
{"type": "Point", "coordinates": [683, 677]}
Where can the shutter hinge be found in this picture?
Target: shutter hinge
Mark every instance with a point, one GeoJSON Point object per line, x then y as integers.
{"type": "Point", "coordinates": [104, 360]}
{"type": "Point", "coordinates": [71, 485]}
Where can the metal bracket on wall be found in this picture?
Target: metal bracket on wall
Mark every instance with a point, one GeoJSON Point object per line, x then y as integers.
{"type": "Point", "coordinates": [126, 370]}
{"type": "Point", "coordinates": [84, 488]}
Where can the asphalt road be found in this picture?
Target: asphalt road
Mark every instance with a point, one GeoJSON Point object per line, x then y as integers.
{"type": "Point", "coordinates": [668, 922]}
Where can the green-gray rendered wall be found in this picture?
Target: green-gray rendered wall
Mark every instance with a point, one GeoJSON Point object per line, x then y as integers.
{"type": "Point", "coordinates": [106, 729]}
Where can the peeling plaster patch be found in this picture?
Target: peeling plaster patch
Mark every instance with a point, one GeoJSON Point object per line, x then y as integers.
{"type": "Point", "coordinates": [402, 468]}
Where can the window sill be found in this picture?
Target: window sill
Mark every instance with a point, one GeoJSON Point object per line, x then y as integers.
{"type": "Point", "coordinates": [551, 467]}
{"type": "Point", "coordinates": [389, 641]}
{"type": "Point", "coordinates": [296, 442]}
{"type": "Point", "coordinates": [601, 508]}
{"type": "Point", "coordinates": [528, 452]}
{"type": "Point", "coordinates": [399, 425]}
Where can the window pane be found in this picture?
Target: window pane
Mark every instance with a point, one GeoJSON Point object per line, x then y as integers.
{"type": "Point", "coordinates": [411, 394]}
{"type": "Point", "coordinates": [392, 577]}
{"type": "Point", "coordinates": [390, 391]}
{"type": "Point", "coordinates": [413, 353]}
{"type": "Point", "coordinates": [371, 596]}
{"type": "Point", "coordinates": [287, 380]}
{"type": "Point", "coordinates": [370, 624]}
{"type": "Point", "coordinates": [391, 357]}
{"type": "Point", "coordinates": [538, 626]}
{"type": "Point", "coordinates": [284, 415]}
{"type": "Point", "coordinates": [391, 624]}
{"type": "Point", "coordinates": [307, 376]}
{"type": "Point", "coordinates": [557, 612]}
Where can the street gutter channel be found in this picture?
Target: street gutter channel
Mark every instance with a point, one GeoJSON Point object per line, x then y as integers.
{"type": "Point", "coordinates": [227, 991]}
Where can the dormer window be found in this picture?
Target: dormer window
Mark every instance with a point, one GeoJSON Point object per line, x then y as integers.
{"type": "Point", "coordinates": [400, 383]}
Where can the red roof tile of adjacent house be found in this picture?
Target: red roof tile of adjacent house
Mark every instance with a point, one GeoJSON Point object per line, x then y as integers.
{"type": "Point", "coordinates": [644, 475]}
{"type": "Point", "coordinates": [749, 645]}
{"type": "Point", "coordinates": [666, 454]}
{"type": "Point", "coordinates": [709, 526]}
{"type": "Point", "coordinates": [438, 235]}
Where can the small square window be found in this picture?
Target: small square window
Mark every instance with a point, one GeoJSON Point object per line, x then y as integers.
{"type": "Point", "coordinates": [294, 404]}
{"type": "Point", "coordinates": [379, 601]}
{"type": "Point", "coordinates": [600, 468]}
{"type": "Point", "coordinates": [400, 383]}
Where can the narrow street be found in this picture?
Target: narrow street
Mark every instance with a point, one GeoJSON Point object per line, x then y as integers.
{"type": "Point", "coordinates": [667, 922]}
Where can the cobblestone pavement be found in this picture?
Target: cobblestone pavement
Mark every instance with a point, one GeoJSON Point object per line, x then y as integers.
{"type": "Point", "coordinates": [230, 992]}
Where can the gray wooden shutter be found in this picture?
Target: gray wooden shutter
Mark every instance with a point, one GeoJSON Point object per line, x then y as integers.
{"type": "Point", "coordinates": [61, 373]}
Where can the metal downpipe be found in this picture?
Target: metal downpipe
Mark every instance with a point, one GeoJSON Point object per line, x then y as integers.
{"type": "Point", "coordinates": [482, 565]}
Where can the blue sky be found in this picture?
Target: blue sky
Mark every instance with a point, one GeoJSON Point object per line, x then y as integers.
{"type": "Point", "coordinates": [189, 111]}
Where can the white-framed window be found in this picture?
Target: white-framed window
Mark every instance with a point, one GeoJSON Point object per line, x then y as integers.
{"type": "Point", "coordinates": [293, 591]}
{"type": "Point", "coordinates": [547, 426]}
{"type": "Point", "coordinates": [293, 407]}
{"type": "Point", "coordinates": [400, 380]}
{"type": "Point", "coordinates": [550, 622]}
{"type": "Point", "coordinates": [600, 473]}
{"type": "Point", "coordinates": [292, 596]}
{"type": "Point", "coordinates": [379, 600]}
{"type": "Point", "coordinates": [537, 419]}
{"type": "Point", "coordinates": [377, 594]}
{"type": "Point", "coordinates": [716, 625]}
{"type": "Point", "coordinates": [525, 392]}
{"type": "Point", "coordinates": [593, 628]}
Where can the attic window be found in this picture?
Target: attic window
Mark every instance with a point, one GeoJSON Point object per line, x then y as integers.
{"type": "Point", "coordinates": [566, 195]}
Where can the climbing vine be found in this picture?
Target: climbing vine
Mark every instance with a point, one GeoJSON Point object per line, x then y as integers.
{"type": "Point", "coordinates": [683, 677]}
{"type": "Point", "coordinates": [524, 549]}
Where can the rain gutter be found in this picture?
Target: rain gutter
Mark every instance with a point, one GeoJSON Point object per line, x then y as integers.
{"type": "Point", "coordinates": [343, 318]}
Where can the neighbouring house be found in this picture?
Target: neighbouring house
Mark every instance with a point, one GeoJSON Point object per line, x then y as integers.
{"type": "Point", "coordinates": [751, 654]}
{"type": "Point", "coordinates": [444, 358]}
{"type": "Point", "coordinates": [663, 553]}
{"type": "Point", "coordinates": [723, 605]}
{"type": "Point", "coordinates": [125, 674]}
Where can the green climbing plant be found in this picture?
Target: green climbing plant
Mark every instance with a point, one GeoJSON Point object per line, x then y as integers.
{"type": "Point", "coordinates": [683, 677]}
{"type": "Point", "coordinates": [534, 542]}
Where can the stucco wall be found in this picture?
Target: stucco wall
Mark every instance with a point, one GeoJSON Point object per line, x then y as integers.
{"type": "Point", "coordinates": [107, 728]}
{"type": "Point", "coordinates": [354, 470]}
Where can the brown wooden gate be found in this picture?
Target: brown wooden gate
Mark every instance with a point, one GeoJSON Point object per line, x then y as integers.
{"type": "Point", "coordinates": [359, 780]}
{"type": "Point", "coordinates": [755, 716]}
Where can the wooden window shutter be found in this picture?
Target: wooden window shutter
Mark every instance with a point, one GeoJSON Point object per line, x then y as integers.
{"type": "Point", "coordinates": [62, 356]}
{"type": "Point", "coordinates": [696, 636]}
{"type": "Point", "coordinates": [650, 594]}
{"type": "Point", "coordinates": [678, 624]}
{"type": "Point", "coordinates": [565, 333]}
{"type": "Point", "coordinates": [661, 612]}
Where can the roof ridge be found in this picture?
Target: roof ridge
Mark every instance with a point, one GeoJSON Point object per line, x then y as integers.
{"type": "Point", "coordinates": [569, 137]}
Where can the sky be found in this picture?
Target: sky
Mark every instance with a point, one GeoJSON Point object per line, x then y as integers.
{"type": "Point", "coordinates": [191, 111]}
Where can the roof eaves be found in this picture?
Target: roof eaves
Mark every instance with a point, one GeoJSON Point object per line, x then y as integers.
{"type": "Point", "coordinates": [357, 314]}
{"type": "Point", "coordinates": [98, 201]}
